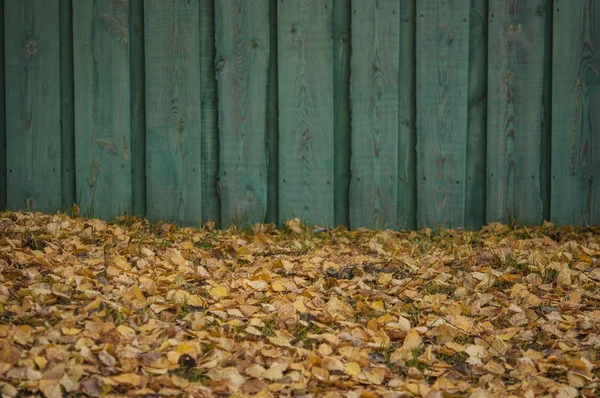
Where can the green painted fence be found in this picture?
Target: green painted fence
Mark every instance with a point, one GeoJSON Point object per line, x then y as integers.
{"type": "Point", "coordinates": [366, 113]}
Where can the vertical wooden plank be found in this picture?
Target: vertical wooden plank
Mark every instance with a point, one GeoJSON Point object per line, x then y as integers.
{"type": "Point", "coordinates": [3, 186]}
{"type": "Point", "coordinates": [173, 138]}
{"type": "Point", "coordinates": [306, 111]}
{"type": "Point", "coordinates": [242, 37]}
{"type": "Point", "coordinates": [477, 116]}
{"type": "Point", "coordinates": [272, 121]}
{"type": "Point", "coordinates": [374, 101]}
{"type": "Point", "coordinates": [442, 90]}
{"type": "Point", "coordinates": [407, 104]}
{"type": "Point", "coordinates": [102, 107]}
{"type": "Point", "coordinates": [211, 205]}
{"type": "Point", "coordinates": [33, 132]}
{"type": "Point", "coordinates": [576, 113]}
{"type": "Point", "coordinates": [67, 102]}
{"type": "Point", "coordinates": [341, 108]}
{"type": "Point", "coordinates": [138, 107]}
{"type": "Point", "coordinates": [515, 88]}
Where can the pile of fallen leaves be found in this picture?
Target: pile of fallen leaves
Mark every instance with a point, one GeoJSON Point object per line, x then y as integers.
{"type": "Point", "coordinates": [134, 308]}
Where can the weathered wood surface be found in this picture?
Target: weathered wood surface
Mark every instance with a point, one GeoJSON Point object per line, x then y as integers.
{"type": "Point", "coordinates": [3, 185]}
{"type": "Point", "coordinates": [33, 106]}
{"type": "Point", "coordinates": [102, 107]}
{"type": "Point", "coordinates": [341, 107]}
{"type": "Point", "coordinates": [67, 103]}
{"type": "Point", "coordinates": [306, 128]}
{"type": "Point", "coordinates": [442, 94]}
{"type": "Point", "coordinates": [138, 108]}
{"type": "Point", "coordinates": [515, 96]}
{"type": "Point", "coordinates": [407, 155]}
{"type": "Point", "coordinates": [374, 99]}
{"type": "Point", "coordinates": [242, 40]}
{"type": "Point", "coordinates": [211, 205]}
{"type": "Point", "coordinates": [173, 135]}
{"type": "Point", "coordinates": [475, 202]}
{"type": "Point", "coordinates": [272, 215]}
{"type": "Point", "coordinates": [576, 113]}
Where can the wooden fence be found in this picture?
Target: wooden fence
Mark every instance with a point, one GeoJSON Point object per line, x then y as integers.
{"type": "Point", "coordinates": [368, 113]}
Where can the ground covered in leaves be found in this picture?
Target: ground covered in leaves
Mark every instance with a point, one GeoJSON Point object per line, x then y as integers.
{"type": "Point", "coordinates": [89, 308]}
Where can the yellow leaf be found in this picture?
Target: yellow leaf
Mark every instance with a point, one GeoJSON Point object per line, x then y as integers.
{"type": "Point", "coordinates": [384, 278]}
{"type": "Point", "coordinates": [137, 292]}
{"type": "Point", "coordinates": [128, 378]}
{"type": "Point", "coordinates": [278, 287]}
{"type": "Point", "coordinates": [352, 369]}
{"type": "Point", "coordinates": [126, 331]}
{"type": "Point", "coordinates": [40, 362]}
{"type": "Point", "coordinates": [377, 305]}
{"type": "Point", "coordinates": [218, 292]}
{"type": "Point", "coordinates": [196, 301]}
{"type": "Point", "coordinates": [71, 331]}
{"type": "Point", "coordinates": [412, 340]}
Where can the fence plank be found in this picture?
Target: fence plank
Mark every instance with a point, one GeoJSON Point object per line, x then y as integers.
{"type": "Point", "coordinates": [33, 132]}
{"type": "Point", "coordinates": [341, 106]}
{"type": "Point", "coordinates": [173, 136]}
{"type": "Point", "coordinates": [102, 107]}
{"type": "Point", "coordinates": [374, 99]}
{"type": "Point", "coordinates": [211, 205]}
{"type": "Point", "coordinates": [442, 81]}
{"type": "Point", "coordinates": [67, 103]}
{"type": "Point", "coordinates": [242, 37]}
{"type": "Point", "coordinates": [3, 185]}
{"type": "Point", "coordinates": [138, 107]}
{"type": "Point", "coordinates": [407, 155]}
{"type": "Point", "coordinates": [306, 111]}
{"type": "Point", "coordinates": [576, 113]}
{"type": "Point", "coordinates": [477, 116]}
{"type": "Point", "coordinates": [515, 88]}
{"type": "Point", "coordinates": [272, 215]}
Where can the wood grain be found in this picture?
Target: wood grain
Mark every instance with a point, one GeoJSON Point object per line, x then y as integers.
{"type": "Point", "coordinates": [407, 113]}
{"type": "Point", "coordinates": [3, 185]}
{"type": "Point", "coordinates": [33, 111]}
{"type": "Point", "coordinates": [67, 104]}
{"type": "Point", "coordinates": [515, 97]}
{"type": "Point", "coordinates": [374, 99]}
{"type": "Point", "coordinates": [211, 204]}
{"type": "Point", "coordinates": [306, 111]}
{"type": "Point", "coordinates": [173, 135]}
{"type": "Point", "coordinates": [272, 215]}
{"type": "Point", "coordinates": [576, 113]}
{"type": "Point", "coordinates": [475, 201]}
{"type": "Point", "coordinates": [442, 107]}
{"type": "Point", "coordinates": [341, 107]}
{"type": "Point", "coordinates": [242, 41]}
{"type": "Point", "coordinates": [138, 107]}
{"type": "Point", "coordinates": [102, 107]}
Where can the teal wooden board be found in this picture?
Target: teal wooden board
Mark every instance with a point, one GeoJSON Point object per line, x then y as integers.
{"type": "Point", "coordinates": [515, 88]}
{"type": "Point", "coordinates": [442, 92]}
{"type": "Point", "coordinates": [67, 103]}
{"type": "Point", "coordinates": [407, 139]}
{"type": "Point", "coordinates": [173, 135]}
{"type": "Point", "coordinates": [272, 215]}
{"type": "Point", "coordinates": [374, 99]}
{"type": "Point", "coordinates": [576, 113]}
{"type": "Point", "coordinates": [475, 202]}
{"type": "Point", "coordinates": [306, 128]}
{"type": "Point", "coordinates": [3, 186]}
{"type": "Point", "coordinates": [341, 109]}
{"type": "Point", "coordinates": [242, 40]}
{"type": "Point", "coordinates": [211, 204]}
{"type": "Point", "coordinates": [102, 107]}
{"type": "Point", "coordinates": [33, 109]}
{"type": "Point", "coordinates": [138, 107]}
